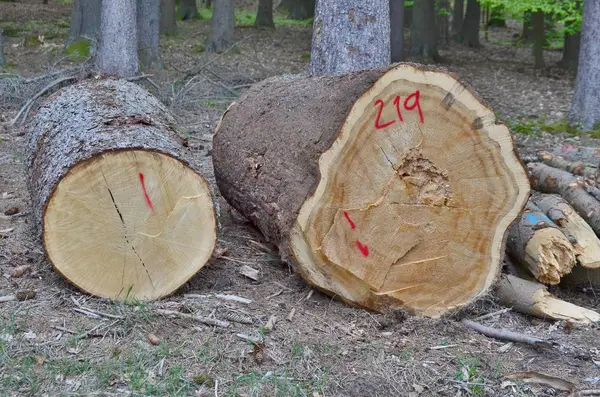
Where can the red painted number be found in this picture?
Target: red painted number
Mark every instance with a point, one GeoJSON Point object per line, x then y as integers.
{"type": "Point", "coordinates": [412, 102]}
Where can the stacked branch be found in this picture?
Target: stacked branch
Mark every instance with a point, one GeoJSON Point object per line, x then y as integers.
{"type": "Point", "coordinates": [122, 213]}
{"type": "Point", "coordinates": [388, 188]}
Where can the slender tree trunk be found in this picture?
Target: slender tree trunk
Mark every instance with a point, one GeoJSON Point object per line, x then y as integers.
{"type": "Point", "coordinates": [264, 16]}
{"type": "Point", "coordinates": [458, 17]}
{"type": "Point", "coordinates": [424, 32]}
{"type": "Point", "coordinates": [2, 59]}
{"type": "Point", "coordinates": [85, 22]}
{"type": "Point", "coordinates": [527, 35]}
{"type": "Point", "coordinates": [168, 25]}
{"type": "Point", "coordinates": [470, 29]}
{"type": "Point", "coordinates": [539, 35]}
{"type": "Point", "coordinates": [443, 21]}
{"type": "Point", "coordinates": [408, 16]}
{"type": "Point", "coordinates": [148, 31]}
{"type": "Point", "coordinates": [350, 35]}
{"type": "Point", "coordinates": [117, 53]}
{"type": "Point", "coordinates": [300, 9]}
{"type": "Point", "coordinates": [397, 29]}
{"type": "Point", "coordinates": [570, 58]}
{"type": "Point", "coordinates": [189, 10]}
{"type": "Point", "coordinates": [585, 107]}
{"type": "Point", "coordinates": [222, 25]}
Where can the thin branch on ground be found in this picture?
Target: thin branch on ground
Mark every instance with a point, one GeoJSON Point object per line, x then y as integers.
{"type": "Point", "coordinates": [505, 335]}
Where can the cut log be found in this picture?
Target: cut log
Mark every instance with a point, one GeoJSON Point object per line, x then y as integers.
{"type": "Point", "coordinates": [533, 298]}
{"type": "Point", "coordinates": [574, 167]}
{"type": "Point", "coordinates": [121, 213]}
{"type": "Point", "coordinates": [585, 241]}
{"type": "Point", "coordinates": [551, 180]}
{"type": "Point", "coordinates": [538, 244]}
{"type": "Point", "coordinates": [388, 188]}
{"type": "Point", "coordinates": [585, 154]}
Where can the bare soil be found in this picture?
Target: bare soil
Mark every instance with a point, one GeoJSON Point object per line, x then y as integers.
{"type": "Point", "coordinates": [319, 346]}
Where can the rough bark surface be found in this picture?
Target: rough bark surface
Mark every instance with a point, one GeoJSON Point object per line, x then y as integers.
{"type": "Point", "coordinates": [470, 28]}
{"type": "Point", "coordinates": [264, 15]}
{"type": "Point", "coordinates": [423, 37]}
{"type": "Point", "coordinates": [168, 24]}
{"type": "Point", "coordinates": [397, 30]}
{"type": "Point", "coordinates": [570, 58]}
{"type": "Point", "coordinates": [538, 244]}
{"type": "Point", "coordinates": [79, 126]}
{"type": "Point", "coordinates": [588, 171]}
{"type": "Point", "coordinates": [280, 178]}
{"type": "Point", "coordinates": [2, 59]}
{"type": "Point", "coordinates": [117, 54]}
{"type": "Point", "coordinates": [222, 25]}
{"type": "Point", "coordinates": [148, 33]}
{"type": "Point", "coordinates": [539, 36]}
{"type": "Point", "coordinates": [85, 22]}
{"type": "Point", "coordinates": [189, 10]}
{"type": "Point", "coordinates": [299, 9]}
{"type": "Point", "coordinates": [551, 180]}
{"type": "Point", "coordinates": [458, 16]}
{"type": "Point", "coordinates": [585, 107]}
{"type": "Point", "coordinates": [350, 35]}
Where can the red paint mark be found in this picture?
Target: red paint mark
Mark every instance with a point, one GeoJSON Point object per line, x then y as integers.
{"type": "Point", "coordinates": [377, 125]}
{"type": "Point", "coordinates": [145, 192]}
{"type": "Point", "coordinates": [417, 103]}
{"type": "Point", "coordinates": [363, 248]}
{"type": "Point", "coordinates": [352, 225]}
{"type": "Point", "coordinates": [397, 103]}
{"type": "Point", "coordinates": [568, 146]}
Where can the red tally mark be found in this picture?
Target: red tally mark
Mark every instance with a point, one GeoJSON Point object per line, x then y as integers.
{"type": "Point", "coordinates": [363, 248]}
{"type": "Point", "coordinates": [148, 201]}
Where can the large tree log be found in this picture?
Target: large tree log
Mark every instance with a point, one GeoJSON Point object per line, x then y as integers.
{"type": "Point", "coordinates": [389, 187]}
{"type": "Point", "coordinates": [586, 243]}
{"type": "Point", "coordinates": [551, 180]}
{"type": "Point", "coordinates": [532, 298]}
{"type": "Point", "coordinates": [538, 244]}
{"type": "Point", "coordinates": [122, 214]}
{"type": "Point", "coordinates": [574, 167]}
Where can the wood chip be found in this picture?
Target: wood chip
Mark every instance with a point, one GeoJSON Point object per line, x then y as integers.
{"type": "Point", "coordinates": [19, 271]}
{"type": "Point", "coordinates": [270, 325]}
{"type": "Point", "coordinates": [539, 378]}
{"type": "Point", "coordinates": [11, 211]}
{"type": "Point", "coordinates": [250, 272]}
{"type": "Point", "coordinates": [290, 316]}
{"type": "Point", "coordinates": [504, 348]}
{"type": "Point", "coordinates": [153, 339]}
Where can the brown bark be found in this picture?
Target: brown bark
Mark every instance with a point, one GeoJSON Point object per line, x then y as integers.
{"type": "Point", "coordinates": [470, 29]}
{"type": "Point", "coordinates": [188, 10]}
{"type": "Point", "coordinates": [264, 15]}
{"type": "Point", "coordinates": [377, 233]}
{"type": "Point", "coordinates": [110, 186]}
{"type": "Point", "coordinates": [538, 244]}
{"type": "Point", "coordinates": [551, 180]}
{"type": "Point", "coordinates": [168, 24]}
{"type": "Point", "coordinates": [539, 36]}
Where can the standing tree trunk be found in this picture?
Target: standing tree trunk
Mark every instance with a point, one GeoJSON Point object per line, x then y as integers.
{"type": "Point", "coordinates": [85, 22]}
{"type": "Point", "coordinates": [264, 15]}
{"type": "Point", "coordinates": [585, 107]}
{"type": "Point", "coordinates": [424, 32]}
{"type": "Point", "coordinates": [397, 30]}
{"type": "Point", "coordinates": [122, 213]}
{"type": "Point", "coordinates": [2, 60]}
{"type": "Point", "coordinates": [168, 24]}
{"type": "Point", "coordinates": [443, 21]}
{"type": "Point", "coordinates": [222, 25]}
{"type": "Point", "coordinates": [189, 10]}
{"type": "Point", "coordinates": [470, 29]}
{"type": "Point", "coordinates": [539, 36]}
{"type": "Point", "coordinates": [570, 57]}
{"type": "Point", "coordinates": [526, 34]}
{"type": "Point", "coordinates": [299, 9]}
{"type": "Point", "coordinates": [350, 35]}
{"type": "Point", "coordinates": [118, 53]}
{"type": "Point", "coordinates": [395, 192]}
{"type": "Point", "coordinates": [148, 33]}
{"type": "Point", "coordinates": [458, 17]}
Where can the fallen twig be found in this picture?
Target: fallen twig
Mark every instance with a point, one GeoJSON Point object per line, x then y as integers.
{"type": "Point", "coordinates": [87, 310]}
{"type": "Point", "coordinates": [201, 319]}
{"type": "Point", "coordinates": [502, 311]}
{"type": "Point", "coordinates": [233, 298]}
{"type": "Point", "coordinates": [505, 335]}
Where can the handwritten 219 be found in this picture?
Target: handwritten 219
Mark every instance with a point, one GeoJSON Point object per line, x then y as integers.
{"type": "Point", "coordinates": [410, 103]}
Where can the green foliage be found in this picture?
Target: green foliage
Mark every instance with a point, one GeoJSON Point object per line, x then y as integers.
{"type": "Point", "coordinates": [535, 126]}
{"type": "Point", "coordinates": [78, 50]}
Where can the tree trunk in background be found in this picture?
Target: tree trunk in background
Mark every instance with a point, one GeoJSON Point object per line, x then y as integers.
{"type": "Point", "coordinates": [222, 25]}
{"type": "Point", "coordinates": [300, 9]}
{"type": "Point", "coordinates": [397, 30]}
{"type": "Point", "coordinates": [408, 13]}
{"type": "Point", "coordinates": [264, 15]}
{"type": "Point", "coordinates": [585, 107]}
{"type": "Point", "coordinates": [350, 35]}
{"type": "Point", "coordinates": [2, 59]}
{"type": "Point", "coordinates": [148, 32]}
{"type": "Point", "coordinates": [189, 10]}
{"type": "Point", "coordinates": [496, 17]}
{"type": "Point", "coordinates": [424, 32]}
{"type": "Point", "coordinates": [539, 36]}
{"type": "Point", "coordinates": [470, 29]}
{"type": "Point", "coordinates": [443, 21]}
{"type": "Point", "coordinates": [527, 34]}
{"type": "Point", "coordinates": [117, 53]}
{"type": "Point", "coordinates": [85, 22]}
{"type": "Point", "coordinates": [458, 17]}
{"type": "Point", "coordinates": [570, 58]}
{"type": "Point", "coordinates": [168, 24]}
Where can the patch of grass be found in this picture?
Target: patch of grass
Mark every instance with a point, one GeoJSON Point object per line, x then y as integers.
{"type": "Point", "coordinates": [247, 19]}
{"type": "Point", "coordinates": [78, 50]}
{"type": "Point", "coordinates": [469, 372]}
{"type": "Point", "coordinates": [255, 384]}
{"type": "Point", "coordinates": [291, 22]}
{"type": "Point", "coordinates": [305, 56]}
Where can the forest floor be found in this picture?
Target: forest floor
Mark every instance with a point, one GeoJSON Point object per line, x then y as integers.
{"type": "Point", "coordinates": [327, 348]}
